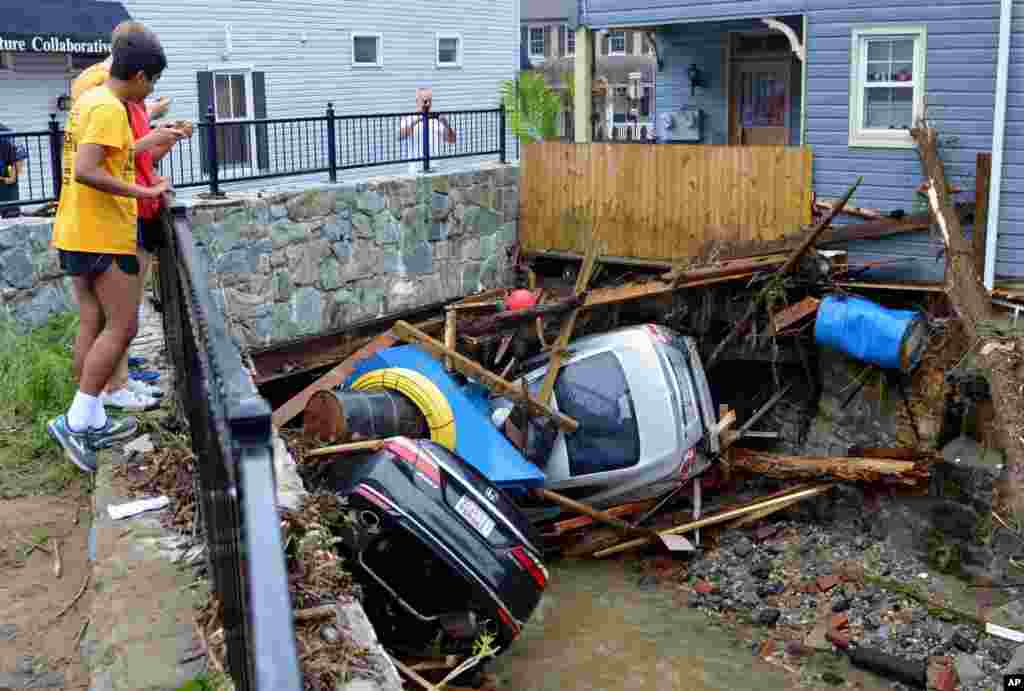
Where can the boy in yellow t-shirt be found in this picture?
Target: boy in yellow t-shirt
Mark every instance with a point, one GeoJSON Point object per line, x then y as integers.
{"type": "Point", "coordinates": [95, 235]}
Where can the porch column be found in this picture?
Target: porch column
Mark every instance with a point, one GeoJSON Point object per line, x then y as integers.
{"type": "Point", "coordinates": [584, 84]}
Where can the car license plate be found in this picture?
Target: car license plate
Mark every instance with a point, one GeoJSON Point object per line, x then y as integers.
{"type": "Point", "coordinates": [472, 512]}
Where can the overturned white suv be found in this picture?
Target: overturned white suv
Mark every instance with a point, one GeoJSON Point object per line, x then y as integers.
{"type": "Point", "coordinates": [642, 401]}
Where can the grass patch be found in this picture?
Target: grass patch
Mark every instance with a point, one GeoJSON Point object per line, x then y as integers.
{"type": "Point", "coordinates": [35, 385]}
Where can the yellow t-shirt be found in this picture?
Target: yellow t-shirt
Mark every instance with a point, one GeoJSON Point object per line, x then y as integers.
{"type": "Point", "coordinates": [89, 220]}
{"type": "Point", "coordinates": [91, 76]}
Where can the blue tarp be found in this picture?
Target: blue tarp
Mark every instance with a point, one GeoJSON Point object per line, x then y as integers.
{"type": "Point", "coordinates": [863, 329]}
{"type": "Point", "coordinates": [477, 440]}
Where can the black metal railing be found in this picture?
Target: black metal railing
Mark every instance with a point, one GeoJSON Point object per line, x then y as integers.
{"type": "Point", "coordinates": [231, 436]}
{"type": "Point", "coordinates": [38, 169]}
{"type": "Point", "coordinates": [223, 152]}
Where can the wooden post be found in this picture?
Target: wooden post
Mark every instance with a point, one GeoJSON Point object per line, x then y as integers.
{"type": "Point", "coordinates": [584, 84]}
{"type": "Point", "coordinates": [449, 336]}
{"type": "Point", "coordinates": [982, 176]}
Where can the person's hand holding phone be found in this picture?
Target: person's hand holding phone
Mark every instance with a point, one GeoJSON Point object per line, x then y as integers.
{"type": "Point", "coordinates": [159, 107]}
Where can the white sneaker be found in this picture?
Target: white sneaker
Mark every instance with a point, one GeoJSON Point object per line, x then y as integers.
{"type": "Point", "coordinates": [143, 389]}
{"type": "Point", "coordinates": [124, 399]}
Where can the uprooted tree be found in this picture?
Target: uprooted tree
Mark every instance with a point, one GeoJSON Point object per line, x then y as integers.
{"type": "Point", "coordinates": [998, 351]}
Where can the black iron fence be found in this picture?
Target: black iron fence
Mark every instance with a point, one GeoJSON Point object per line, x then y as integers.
{"type": "Point", "coordinates": [231, 437]}
{"type": "Point", "coordinates": [30, 166]}
{"type": "Point", "coordinates": [232, 151]}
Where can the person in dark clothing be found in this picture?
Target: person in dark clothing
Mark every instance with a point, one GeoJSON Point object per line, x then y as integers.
{"type": "Point", "coordinates": [12, 163]}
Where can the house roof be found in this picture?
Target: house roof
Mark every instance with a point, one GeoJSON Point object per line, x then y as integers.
{"type": "Point", "coordinates": [75, 20]}
{"type": "Point", "coordinates": [615, 68]}
{"type": "Point", "coordinates": [540, 10]}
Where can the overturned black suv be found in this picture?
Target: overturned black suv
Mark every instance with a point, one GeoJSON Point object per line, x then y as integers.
{"type": "Point", "coordinates": [443, 555]}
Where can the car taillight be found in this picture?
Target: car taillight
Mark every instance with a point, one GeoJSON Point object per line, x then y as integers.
{"type": "Point", "coordinates": [532, 565]}
{"type": "Point", "coordinates": [656, 332]}
{"type": "Point", "coordinates": [417, 458]}
{"type": "Point", "coordinates": [376, 498]}
{"type": "Point", "coordinates": [506, 617]}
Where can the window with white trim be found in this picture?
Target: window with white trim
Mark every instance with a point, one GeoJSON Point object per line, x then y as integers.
{"type": "Point", "coordinates": [570, 41]}
{"type": "Point", "coordinates": [537, 42]}
{"type": "Point", "coordinates": [887, 82]}
{"type": "Point", "coordinates": [367, 50]}
{"type": "Point", "coordinates": [232, 92]}
{"type": "Point", "coordinates": [449, 50]}
{"type": "Point", "coordinates": [616, 43]}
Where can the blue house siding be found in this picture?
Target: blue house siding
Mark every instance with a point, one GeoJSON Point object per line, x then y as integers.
{"type": "Point", "coordinates": [960, 92]}
{"type": "Point", "coordinates": [1010, 254]}
{"type": "Point", "coordinates": [960, 84]}
{"type": "Point", "coordinates": [601, 14]}
{"type": "Point", "coordinates": [705, 44]}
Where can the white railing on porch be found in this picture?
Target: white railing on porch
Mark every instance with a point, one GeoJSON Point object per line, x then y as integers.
{"type": "Point", "coordinates": [632, 131]}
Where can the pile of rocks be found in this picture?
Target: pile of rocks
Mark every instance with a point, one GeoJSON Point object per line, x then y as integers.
{"type": "Point", "coordinates": [823, 587]}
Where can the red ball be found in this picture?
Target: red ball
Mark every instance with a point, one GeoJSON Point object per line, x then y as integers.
{"type": "Point", "coordinates": [520, 299]}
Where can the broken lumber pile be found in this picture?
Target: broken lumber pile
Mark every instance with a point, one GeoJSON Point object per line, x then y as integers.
{"type": "Point", "coordinates": [849, 469]}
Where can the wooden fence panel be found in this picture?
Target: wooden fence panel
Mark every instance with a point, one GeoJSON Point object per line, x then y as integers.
{"type": "Point", "coordinates": [660, 202]}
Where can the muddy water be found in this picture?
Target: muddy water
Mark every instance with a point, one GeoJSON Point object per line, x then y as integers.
{"type": "Point", "coordinates": [597, 630]}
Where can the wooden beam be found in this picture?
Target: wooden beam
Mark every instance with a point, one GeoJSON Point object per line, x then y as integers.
{"type": "Point", "coordinates": [562, 342]}
{"type": "Point", "coordinates": [722, 517]}
{"type": "Point", "coordinates": [337, 376]}
{"type": "Point", "coordinates": [489, 379]}
{"type": "Point", "coordinates": [834, 467]}
{"type": "Point", "coordinates": [982, 178]}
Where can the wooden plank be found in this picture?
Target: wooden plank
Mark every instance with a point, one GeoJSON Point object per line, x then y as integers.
{"type": "Point", "coordinates": [569, 524]}
{"type": "Point", "coordinates": [982, 177]}
{"type": "Point", "coordinates": [449, 336]}
{"type": "Point", "coordinates": [722, 517]}
{"type": "Point", "coordinates": [297, 403]}
{"type": "Point", "coordinates": [492, 381]}
{"type": "Point", "coordinates": [351, 447]}
{"type": "Point", "coordinates": [785, 318]}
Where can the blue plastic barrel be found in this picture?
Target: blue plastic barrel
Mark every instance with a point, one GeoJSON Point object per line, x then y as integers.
{"type": "Point", "coordinates": [892, 339]}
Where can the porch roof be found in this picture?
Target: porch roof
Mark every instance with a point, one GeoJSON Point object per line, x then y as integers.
{"type": "Point", "coordinates": [605, 14]}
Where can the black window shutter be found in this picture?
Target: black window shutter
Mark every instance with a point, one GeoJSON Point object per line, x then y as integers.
{"type": "Point", "coordinates": [259, 102]}
{"type": "Point", "coordinates": [604, 43]}
{"type": "Point", "coordinates": [561, 40]}
{"type": "Point", "coordinates": [548, 52]}
{"type": "Point", "coordinates": [204, 82]}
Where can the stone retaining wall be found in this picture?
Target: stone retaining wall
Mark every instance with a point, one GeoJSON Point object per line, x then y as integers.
{"type": "Point", "coordinates": [296, 263]}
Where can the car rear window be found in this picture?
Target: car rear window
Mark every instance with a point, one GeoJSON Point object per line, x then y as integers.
{"type": "Point", "coordinates": [595, 393]}
{"type": "Point", "coordinates": [677, 359]}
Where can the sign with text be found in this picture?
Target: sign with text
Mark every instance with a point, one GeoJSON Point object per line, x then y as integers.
{"type": "Point", "coordinates": [51, 43]}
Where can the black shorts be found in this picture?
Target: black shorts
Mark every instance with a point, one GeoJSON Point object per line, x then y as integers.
{"type": "Point", "coordinates": [94, 264]}
{"type": "Point", "coordinates": [151, 235]}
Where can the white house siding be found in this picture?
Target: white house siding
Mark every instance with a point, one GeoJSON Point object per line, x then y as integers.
{"type": "Point", "coordinates": [302, 76]}
{"type": "Point", "coordinates": [304, 50]}
{"type": "Point", "coordinates": [29, 96]}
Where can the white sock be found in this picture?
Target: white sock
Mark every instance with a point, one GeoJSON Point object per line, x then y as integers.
{"type": "Point", "coordinates": [98, 419]}
{"type": "Point", "coordinates": [81, 412]}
